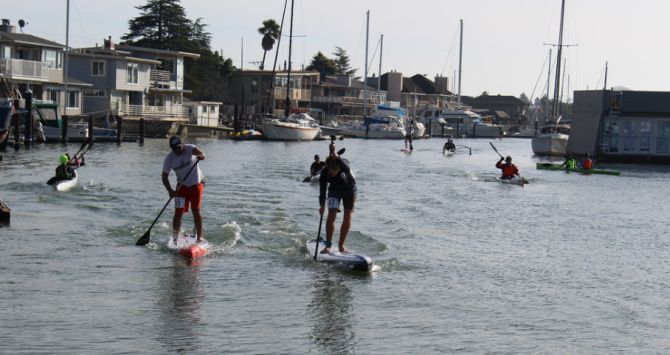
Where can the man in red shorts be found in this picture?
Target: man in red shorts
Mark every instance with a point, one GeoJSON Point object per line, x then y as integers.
{"type": "Point", "coordinates": [190, 186]}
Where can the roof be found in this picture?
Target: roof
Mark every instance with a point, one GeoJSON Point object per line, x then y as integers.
{"type": "Point", "coordinates": [501, 114]}
{"type": "Point", "coordinates": [161, 90]}
{"type": "Point", "coordinates": [277, 72]}
{"type": "Point", "coordinates": [112, 55]}
{"type": "Point", "coordinates": [158, 51]}
{"type": "Point", "coordinates": [332, 82]}
{"type": "Point", "coordinates": [191, 102]}
{"type": "Point", "coordinates": [496, 100]}
{"type": "Point", "coordinates": [418, 84]}
{"type": "Point", "coordinates": [26, 39]}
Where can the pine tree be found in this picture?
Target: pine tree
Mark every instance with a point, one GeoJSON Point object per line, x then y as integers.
{"type": "Point", "coordinates": [163, 24]}
{"type": "Point", "coordinates": [342, 62]}
{"type": "Point", "coordinates": [324, 65]}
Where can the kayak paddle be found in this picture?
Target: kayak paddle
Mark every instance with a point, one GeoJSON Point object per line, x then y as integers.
{"type": "Point", "coordinates": [494, 148]}
{"type": "Point", "coordinates": [146, 237]}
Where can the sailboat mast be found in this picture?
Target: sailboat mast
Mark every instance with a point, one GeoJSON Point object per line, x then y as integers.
{"type": "Point", "coordinates": [287, 110]}
{"type": "Point", "coordinates": [460, 61]}
{"type": "Point", "coordinates": [365, 81]}
{"type": "Point", "coordinates": [605, 84]}
{"type": "Point", "coordinates": [558, 64]}
{"type": "Point", "coordinates": [546, 104]}
{"type": "Point", "coordinates": [381, 50]}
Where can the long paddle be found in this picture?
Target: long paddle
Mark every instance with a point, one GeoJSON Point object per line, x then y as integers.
{"type": "Point", "coordinates": [146, 237]}
{"type": "Point", "coordinates": [494, 148]}
{"type": "Point", "coordinates": [318, 238]}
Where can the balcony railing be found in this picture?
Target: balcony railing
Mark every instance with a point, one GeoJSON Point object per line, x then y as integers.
{"type": "Point", "coordinates": [295, 94]}
{"type": "Point", "coordinates": [122, 109]}
{"type": "Point", "coordinates": [24, 68]}
{"type": "Point", "coordinates": [159, 76]}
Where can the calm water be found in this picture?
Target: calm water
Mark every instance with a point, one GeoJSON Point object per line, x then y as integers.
{"type": "Point", "coordinates": [567, 264]}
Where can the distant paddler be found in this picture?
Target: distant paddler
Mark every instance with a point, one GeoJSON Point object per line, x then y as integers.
{"type": "Point", "coordinates": [65, 169]}
{"type": "Point", "coordinates": [587, 163]}
{"type": "Point", "coordinates": [570, 163]}
{"type": "Point", "coordinates": [337, 179]}
{"type": "Point", "coordinates": [449, 146]}
{"type": "Point", "coordinates": [190, 187]}
{"type": "Point", "coordinates": [315, 168]}
{"type": "Point", "coordinates": [509, 170]}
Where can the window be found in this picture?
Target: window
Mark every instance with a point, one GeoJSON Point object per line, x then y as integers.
{"type": "Point", "coordinates": [98, 68]}
{"type": "Point", "coordinates": [94, 93]}
{"type": "Point", "coordinates": [73, 99]}
{"type": "Point", "coordinates": [133, 73]}
{"type": "Point", "coordinates": [52, 94]}
{"type": "Point", "coordinates": [54, 59]}
{"type": "Point", "coordinates": [6, 52]}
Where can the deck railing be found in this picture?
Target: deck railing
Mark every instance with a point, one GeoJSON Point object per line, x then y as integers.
{"type": "Point", "coordinates": [23, 68]}
{"type": "Point", "coordinates": [159, 76]}
{"type": "Point", "coordinates": [122, 109]}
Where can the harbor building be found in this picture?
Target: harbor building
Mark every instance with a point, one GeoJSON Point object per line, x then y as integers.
{"type": "Point", "coordinates": [621, 126]}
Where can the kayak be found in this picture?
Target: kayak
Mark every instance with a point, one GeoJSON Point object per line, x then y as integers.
{"type": "Point", "coordinates": [347, 261]}
{"type": "Point", "coordinates": [517, 180]}
{"type": "Point", "coordinates": [449, 152]}
{"type": "Point", "coordinates": [187, 247]}
{"type": "Point", "coordinates": [549, 166]}
{"type": "Point", "coordinates": [67, 184]}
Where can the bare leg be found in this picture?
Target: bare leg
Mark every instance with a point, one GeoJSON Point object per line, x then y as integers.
{"type": "Point", "coordinates": [197, 220]}
{"type": "Point", "coordinates": [330, 227]}
{"type": "Point", "coordinates": [176, 223]}
{"type": "Point", "coordinates": [344, 229]}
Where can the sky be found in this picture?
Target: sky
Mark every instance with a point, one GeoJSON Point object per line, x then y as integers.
{"type": "Point", "coordinates": [504, 41]}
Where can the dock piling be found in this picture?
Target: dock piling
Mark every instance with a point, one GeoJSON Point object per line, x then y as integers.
{"type": "Point", "coordinates": [141, 130]}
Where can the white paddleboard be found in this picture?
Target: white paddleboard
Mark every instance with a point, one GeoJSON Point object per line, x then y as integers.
{"type": "Point", "coordinates": [187, 246]}
{"type": "Point", "coordinates": [348, 261]}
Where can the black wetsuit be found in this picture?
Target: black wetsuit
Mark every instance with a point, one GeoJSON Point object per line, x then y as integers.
{"type": "Point", "coordinates": [317, 167]}
{"type": "Point", "coordinates": [341, 185]}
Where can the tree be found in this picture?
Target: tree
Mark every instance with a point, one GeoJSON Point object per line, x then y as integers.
{"type": "Point", "coordinates": [485, 93]}
{"type": "Point", "coordinates": [342, 62]}
{"type": "Point", "coordinates": [324, 65]}
{"type": "Point", "coordinates": [524, 98]}
{"type": "Point", "coordinates": [162, 24]}
{"type": "Point", "coordinates": [270, 32]}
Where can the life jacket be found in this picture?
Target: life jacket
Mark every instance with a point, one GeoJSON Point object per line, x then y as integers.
{"type": "Point", "coordinates": [587, 164]}
{"type": "Point", "coordinates": [63, 172]}
{"type": "Point", "coordinates": [570, 164]}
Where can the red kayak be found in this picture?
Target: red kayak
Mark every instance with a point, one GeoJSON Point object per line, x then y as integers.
{"type": "Point", "coordinates": [187, 247]}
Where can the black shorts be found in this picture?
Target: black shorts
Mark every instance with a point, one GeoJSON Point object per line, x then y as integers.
{"type": "Point", "coordinates": [348, 199]}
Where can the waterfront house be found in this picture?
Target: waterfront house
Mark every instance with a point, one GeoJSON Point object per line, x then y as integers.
{"type": "Point", "coordinates": [132, 82]}
{"type": "Point", "coordinates": [621, 125]}
{"type": "Point", "coordinates": [203, 113]}
{"type": "Point", "coordinates": [28, 61]}
{"type": "Point", "coordinates": [342, 95]}
{"type": "Point", "coordinates": [510, 107]}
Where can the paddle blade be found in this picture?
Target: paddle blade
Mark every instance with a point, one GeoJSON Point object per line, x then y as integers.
{"type": "Point", "coordinates": [144, 239]}
{"type": "Point", "coordinates": [307, 179]}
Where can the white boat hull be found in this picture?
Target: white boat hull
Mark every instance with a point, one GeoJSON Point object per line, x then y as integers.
{"type": "Point", "coordinates": [288, 131]}
{"type": "Point", "coordinates": [373, 132]}
{"type": "Point", "coordinates": [66, 185]}
{"type": "Point", "coordinates": [554, 144]}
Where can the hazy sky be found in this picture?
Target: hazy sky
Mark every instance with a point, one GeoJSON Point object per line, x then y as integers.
{"type": "Point", "coordinates": [503, 51]}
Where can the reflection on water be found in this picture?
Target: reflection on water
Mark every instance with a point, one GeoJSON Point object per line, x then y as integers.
{"type": "Point", "coordinates": [331, 312]}
{"type": "Point", "coordinates": [180, 307]}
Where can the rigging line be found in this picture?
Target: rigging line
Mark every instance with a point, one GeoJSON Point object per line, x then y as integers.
{"type": "Point", "coordinates": [375, 53]}
{"type": "Point", "coordinates": [602, 72]}
{"type": "Point", "coordinates": [453, 41]}
{"type": "Point", "coordinates": [274, 66]}
{"type": "Point", "coordinates": [530, 100]}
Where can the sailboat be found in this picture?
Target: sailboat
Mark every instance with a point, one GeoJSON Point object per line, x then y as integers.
{"type": "Point", "coordinates": [294, 126]}
{"type": "Point", "coordinates": [552, 138]}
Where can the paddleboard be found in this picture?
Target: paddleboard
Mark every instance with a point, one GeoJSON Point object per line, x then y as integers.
{"type": "Point", "coordinates": [352, 261]}
{"type": "Point", "coordinates": [66, 185]}
{"type": "Point", "coordinates": [187, 247]}
{"type": "Point", "coordinates": [517, 180]}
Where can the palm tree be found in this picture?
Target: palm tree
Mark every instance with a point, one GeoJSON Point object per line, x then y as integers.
{"type": "Point", "coordinates": [270, 32]}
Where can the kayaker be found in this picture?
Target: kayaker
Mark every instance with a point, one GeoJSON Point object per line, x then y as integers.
{"type": "Point", "coordinates": [587, 163]}
{"type": "Point", "coordinates": [341, 186]}
{"type": "Point", "coordinates": [450, 146]}
{"type": "Point", "coordinates": [317, 166]}
{"type": "Point", "coordinates": [509, 170]}
{"type": "Point", "coordinates": [64, 171]}
{"type": "Point", "coordinates": [570, 163]}
{"type": "Point", "coordinates": [190, 184]}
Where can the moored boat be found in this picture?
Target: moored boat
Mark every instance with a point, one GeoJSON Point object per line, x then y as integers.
{"type": "Point", "coordinates": [296, 127]}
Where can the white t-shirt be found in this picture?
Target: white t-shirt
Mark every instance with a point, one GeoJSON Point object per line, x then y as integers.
{"type": "Point", "coordinates": [181, 164]}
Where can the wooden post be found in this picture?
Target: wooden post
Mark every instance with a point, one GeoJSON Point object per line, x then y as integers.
{"type": "Point", "coordinates": [90, 129]}
{"type": "Point", "coordinates": [64, 130]}
{"type": "Point", "coordinates": [141, 130]}
{"type": "Point", "coordinates": [28, 121]}
{"type": "Point", "coordinates": [17, 131]}
{"type": "Point", "coordinates": [119, 129]}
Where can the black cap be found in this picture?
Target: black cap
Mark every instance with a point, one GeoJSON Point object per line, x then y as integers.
{"type": "Point", "coordinates": [175, 141]}
{"type": "Point", "coordinates": [316, 156]}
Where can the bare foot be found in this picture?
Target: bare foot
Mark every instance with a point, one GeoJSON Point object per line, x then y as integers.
{"type": "Point", "coordinates": [325, 251]}
{"type": "Point", "coordinates": [344, 250]}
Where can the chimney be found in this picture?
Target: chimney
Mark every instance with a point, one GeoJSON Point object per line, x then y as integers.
{"type": "Point", "coordinates": [6, 27]}
{"type": "Point", "coordinates": [108, 43]}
